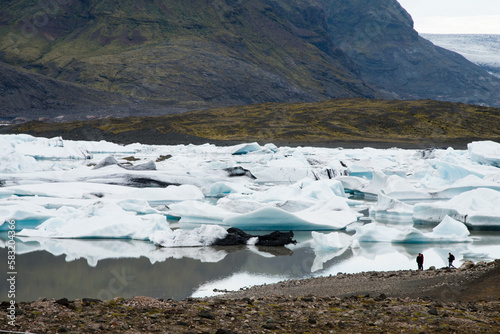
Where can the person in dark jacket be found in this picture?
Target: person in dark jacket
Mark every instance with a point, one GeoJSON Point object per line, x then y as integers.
{"type": "Point", "coordinates": [451, 258]}
{"type": "Point", "coordinates": [420, 261]}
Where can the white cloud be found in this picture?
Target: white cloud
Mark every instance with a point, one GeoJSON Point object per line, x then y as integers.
{"type": "Point", "coordinates": [487, 24]}
{"type": "Point", "coordinates": [454, 16]}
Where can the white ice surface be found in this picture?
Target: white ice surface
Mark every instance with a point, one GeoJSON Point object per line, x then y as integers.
{"type": "Point", "coordinates": [99, 220]}
{"type": "Point", "coordinates": [478, 207]}
{"type": "Point", "coordinates": [205, 235]}
{"type": "Point", "coordinates": [54, 180]}
{"type": "Point", "coordinates": [448, 231]}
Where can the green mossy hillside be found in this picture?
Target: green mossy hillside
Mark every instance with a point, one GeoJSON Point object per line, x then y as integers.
{"type": "Point", "coordinates": [339, 120]}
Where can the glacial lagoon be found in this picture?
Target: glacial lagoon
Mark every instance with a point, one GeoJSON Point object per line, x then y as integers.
{"type": "Point", "coordinates": [85, 220]}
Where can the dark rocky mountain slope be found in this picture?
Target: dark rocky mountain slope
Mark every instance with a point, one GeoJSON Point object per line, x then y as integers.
{"type": "Point", "coordinates": [379, 36]}
{"type": "Point", "coordinates": [163, 56]}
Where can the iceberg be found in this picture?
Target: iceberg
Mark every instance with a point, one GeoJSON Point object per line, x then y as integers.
{"type": "Point", "coordinates": [99, 220]}
{"type": "Point", "coordinates": [322, 216]}
{"type": "Point", "coordinates": [390, 209]}
{"type": "Point", "coordinates": [196, 212]}
{"type": "Point", "coordinates": [402, 189]}
{"type": "Point", "coordinates": [24, 216]}
{"type": "Point", "coordinates": [204, 235]}
{"type": "Point", "coordinates": [448, 231]}
{"type": "Point", "coordinates": [247, 148]}
{"type": "Point", "coordinates": [485, 153]}
{"type": "Point", "coordinates": [478, 208]}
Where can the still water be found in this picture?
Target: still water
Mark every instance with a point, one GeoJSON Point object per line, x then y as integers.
{"type": "Point", "coordinates": [103, 269]}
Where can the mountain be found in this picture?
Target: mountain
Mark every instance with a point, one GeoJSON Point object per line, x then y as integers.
{"type": "Point", "coordinates": [30, 96]}
{"type": "Point", "coordinates": [166, 56]}
{"type": "Point", "coordinates": [379, 36]}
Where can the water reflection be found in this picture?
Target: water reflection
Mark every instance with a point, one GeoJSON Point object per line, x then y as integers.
{"type": "Point", "coordinates": [57, 268]}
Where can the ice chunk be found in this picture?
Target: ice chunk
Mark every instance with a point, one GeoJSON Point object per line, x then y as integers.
{"type": "Point", "coordinates": [448, 231]}
{"type": "Point", "coordinates": [485, 152]}
{"type": "Point", "coordinates": [450, 228]}
{"type": "Point", "coordinates": [375, 233]}
{"type": "Point", "coordinates": [401, 189]}
{"type": "Point", "coordinates": [14, 162]}
{"type": "Point", "coordinates": [224, 188]}
{"type": "Point", "coordinates": [111, 161]}
{"type": "Point", "coordinates": [99, 220]}
{"type": "Point", "coordinates": [79, 190]}
{"type": "Point", "coordinates": [195, 212]}
{"type": "Point", "coordinates": [476, 208]}
{"type": "Point", "coordinates": [390, 209]}
{"type": "Point", "coordinates": [205, 235]}
{"type": "Point", "coordinates": [467, 183]}
{"type": "Point", "coordinates": [24, 216]}
{"type": "Point", "coordinates": [247, 148]}
{"type": "Point", "coordinates": [317, 217]}
{"type": "Point", "coordinates": [138, 206]}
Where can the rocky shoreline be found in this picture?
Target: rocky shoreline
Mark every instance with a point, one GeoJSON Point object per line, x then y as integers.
{"type": "Point", "coordinates": [464, 300]}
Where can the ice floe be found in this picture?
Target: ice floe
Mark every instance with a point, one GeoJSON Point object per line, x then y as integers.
{"type": "Point", "coordinates": [100, 220]}
{"type": "Point", "coordinates": [485, 152]}
{"type": "Point", "coordinates": [476, 208]}
{"type": "Point", "coordinates": [50, 185]}
{"type": "Point", "coordinates": [205, 235]}
{"type": "Point", "coordinates": [448, 231]}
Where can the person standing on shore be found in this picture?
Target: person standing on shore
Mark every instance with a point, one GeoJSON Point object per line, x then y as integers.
{"type": "Point", "coordinates": [420, 261]}
{"type": "Point", "coordinates": [451, 258]}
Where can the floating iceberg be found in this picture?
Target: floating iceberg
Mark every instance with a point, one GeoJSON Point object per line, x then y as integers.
{"type": "Point", "coordinates": [448, 231]}
{"type": "Point", "coordinates": [24, 216]}
{"type": "Point", "coordinates": [247, 148]}
{"type": "Point", "coordinates": [485, 152]}
{"type": "Point", "coordinates": [476, 208]}
{"type": "Point", "coordinates": [321, 216]}
{"type": "Point", "coordinates": [205, 235]}
{"type": "Point", "coordinates": [389, 209]}
{"type": "Point", "coordinates": [99, 220]}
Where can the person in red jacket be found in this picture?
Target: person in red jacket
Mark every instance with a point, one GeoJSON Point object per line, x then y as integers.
{"type": "Point", "coordinates": [420, 261]}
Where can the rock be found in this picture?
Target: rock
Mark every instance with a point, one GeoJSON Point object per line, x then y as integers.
{"type": "Point", "coordinates": [235, 236]}
{"type": "Point", "coordinates": [466, 265]}
{"type": "Point", "coordinates": [90, 301]}
{"type": "Point", "coordinates": [206, 314]}
{"type": "Point", "coordinates": [110, 161]}
{"type": "Point", "coordinates": [432, 311]}
{"type": "Point", "coordinates": [239, 171]}
{"type": "Point", "coordinates": [224, 331]}
{"type": "Point", "coordinates": [64, 302]}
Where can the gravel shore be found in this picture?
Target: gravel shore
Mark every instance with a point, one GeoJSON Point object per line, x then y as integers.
{"type": "Point", "coordinates": [464, 300]}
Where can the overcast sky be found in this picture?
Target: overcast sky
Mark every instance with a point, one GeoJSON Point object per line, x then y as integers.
{"type": "Point", "coordinates": [454, 16]}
